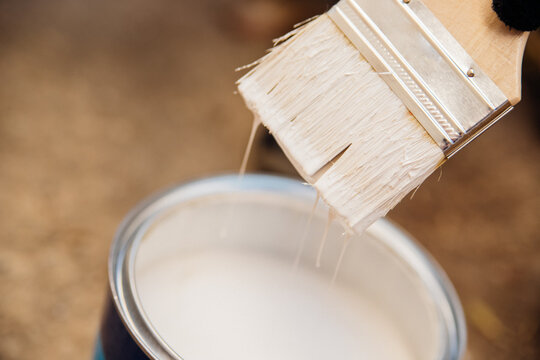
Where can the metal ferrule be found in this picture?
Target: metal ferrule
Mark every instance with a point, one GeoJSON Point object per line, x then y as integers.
{"type": "Point", "coordinates": [425, 66]}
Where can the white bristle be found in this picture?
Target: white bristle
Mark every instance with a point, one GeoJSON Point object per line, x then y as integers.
{"type": "Point", "coordinates": [342, 127]}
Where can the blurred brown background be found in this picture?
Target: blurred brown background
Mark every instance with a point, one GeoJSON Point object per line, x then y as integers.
{"type": "Point", "coordinates": [104, 102]}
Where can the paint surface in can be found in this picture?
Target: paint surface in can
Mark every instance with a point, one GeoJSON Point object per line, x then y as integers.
{"type": "Point", "coordinates": [252, 305]}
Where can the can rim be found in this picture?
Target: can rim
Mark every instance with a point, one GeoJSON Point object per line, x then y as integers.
{"type": "Point", "coordinates": [422, 263]}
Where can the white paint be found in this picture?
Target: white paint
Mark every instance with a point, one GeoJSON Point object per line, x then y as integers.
{"type": "Point", "coordinates": [318, 96]}
{"type": "Point", "coordinates": [324, 237]}
{"type": "Point", "coordinates": [302, 240]}
{"type": "Point", "coordinates": [254, 126]}
{"type": "Point", "coordinates": [243, 166]}
{"type": "Point", "coordinates": [239, 297]}
{"type": "Point", "coordinates": [344, 247]}
{"type": "Point", "coordinates": [222, 304]}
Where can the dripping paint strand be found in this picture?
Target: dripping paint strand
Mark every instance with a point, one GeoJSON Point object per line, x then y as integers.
{"type": "Point", "coordinates": [227, 221]}
{"type": "Point", "coordinates": [331, 216]}
{"type": "Point", "coordinates": [307, 226]}
{"type": "Point", "coordinates": [243, 166]}
{"type": "Point", "coordinates": [344, 247]}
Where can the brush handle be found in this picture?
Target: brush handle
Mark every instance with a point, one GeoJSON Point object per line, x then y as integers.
{"type": "Point", "coordinates": [495, 48]}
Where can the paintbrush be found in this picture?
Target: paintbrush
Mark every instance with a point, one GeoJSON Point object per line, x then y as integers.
{"type": "Point", "coordinates": [370, 98]}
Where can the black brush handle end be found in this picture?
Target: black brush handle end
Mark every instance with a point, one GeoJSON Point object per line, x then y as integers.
{"type": "Point", "coordinates": [523, 15]}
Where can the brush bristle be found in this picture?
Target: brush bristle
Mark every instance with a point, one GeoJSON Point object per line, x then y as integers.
{"type": "Point", "coordinates": [341, 126]}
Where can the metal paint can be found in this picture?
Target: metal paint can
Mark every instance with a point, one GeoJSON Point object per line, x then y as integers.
{"type": "Point", "coordinates": [384, 262]}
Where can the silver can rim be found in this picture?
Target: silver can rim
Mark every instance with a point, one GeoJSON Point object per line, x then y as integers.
{"type": "Point", "coordinates": [427, 269]}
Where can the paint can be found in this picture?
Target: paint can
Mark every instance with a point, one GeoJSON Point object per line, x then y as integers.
{"type": "Point", "coordinates": [267, 216]}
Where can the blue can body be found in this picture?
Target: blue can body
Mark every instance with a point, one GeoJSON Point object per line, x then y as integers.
{"type": "Point", "coordinates": [98, 353]}
{"type": "Point", "coordinates": [114, 341]}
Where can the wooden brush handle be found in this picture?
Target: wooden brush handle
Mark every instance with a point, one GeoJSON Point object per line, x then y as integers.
{"type": "Point", "coordinates": [495, 48]}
